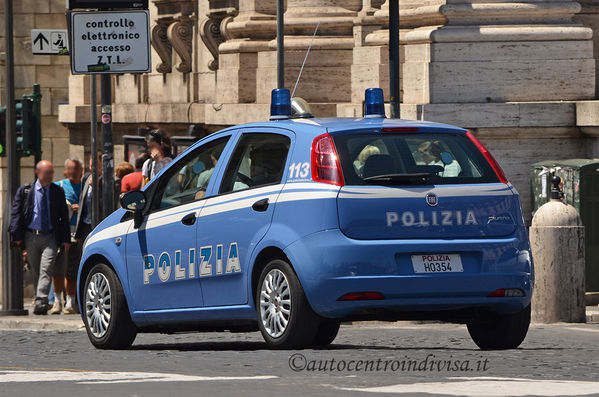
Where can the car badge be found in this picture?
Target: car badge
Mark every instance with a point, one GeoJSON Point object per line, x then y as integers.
{"type": "Point", "coordinates": [432, 199]}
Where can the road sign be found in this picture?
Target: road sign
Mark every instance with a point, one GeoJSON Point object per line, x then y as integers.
{"type": "Point", "coordinates": [49, 41]}
{"type": "Point", "coordinates": [110, 42]}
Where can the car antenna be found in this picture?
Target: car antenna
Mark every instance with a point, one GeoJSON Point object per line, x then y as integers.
{"type": "Point", "coordinates": [305, 58]}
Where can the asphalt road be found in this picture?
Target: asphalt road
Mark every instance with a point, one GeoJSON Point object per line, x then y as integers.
{"type": "Point", "coordinates": [408, 359]}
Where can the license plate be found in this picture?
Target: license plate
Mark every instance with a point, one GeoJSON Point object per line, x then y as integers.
{"type": "Point", "coordinates": [437, 263]}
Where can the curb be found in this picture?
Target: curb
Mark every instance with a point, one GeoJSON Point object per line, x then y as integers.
{"type": "Point", "coordinates": [592, 318]}
{"type": "Point", "coordinates": [41, 324]}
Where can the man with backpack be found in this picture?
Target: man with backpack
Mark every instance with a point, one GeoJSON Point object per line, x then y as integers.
{"type": "Point", "coordinates": [39, 225]}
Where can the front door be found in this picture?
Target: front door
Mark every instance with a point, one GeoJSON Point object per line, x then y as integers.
{"type": "Point", "coordinates": [233, 222]}
{"type": "Point", "coordinates": [162, 253]}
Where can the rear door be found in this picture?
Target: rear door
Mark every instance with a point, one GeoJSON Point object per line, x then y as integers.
{"type": "Point", "coordinates": [233, 221]}
{"type": "Point", "coordinates": [461, 198]}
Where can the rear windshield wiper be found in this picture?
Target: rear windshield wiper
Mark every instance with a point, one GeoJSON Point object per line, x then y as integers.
{"type": "Point", "coordinates": [399, 179]}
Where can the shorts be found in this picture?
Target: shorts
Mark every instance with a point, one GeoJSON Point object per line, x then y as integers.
{"type": "Point", "coordinates": [68, 265]}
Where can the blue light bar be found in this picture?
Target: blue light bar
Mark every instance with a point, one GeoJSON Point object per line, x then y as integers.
{"type": "Point", "coordinates": [374, 103]}
{"type": "Point", "coordinates": [280, 105]}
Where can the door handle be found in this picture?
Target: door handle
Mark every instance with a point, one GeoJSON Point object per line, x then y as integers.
{"type": "Point", "coordinates": [189, 219]}
{"type": "Point", "coordinates": [260, 205]}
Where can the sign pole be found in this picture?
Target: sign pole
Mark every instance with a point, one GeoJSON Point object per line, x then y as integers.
{"type": "Point", "coordinates": [280, 44]}
{"type": "Point", "coordinates": [94, 150]}
{"type": "Point", "coordinates": [107, 146]}
{"type": "Point", "coordinates": [394, 68]}
{"type": "Point", "coordinates": [12, 270]}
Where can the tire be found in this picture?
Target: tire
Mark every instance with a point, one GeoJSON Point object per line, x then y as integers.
{"type": "Point", "coordinates": [285, 317]}
{"type": "Point", "coordinates": [506, 331]}
{"type": "Point", "coordinates": [119, 331]}
{"type": "Point", "coordinates": [327, 332]}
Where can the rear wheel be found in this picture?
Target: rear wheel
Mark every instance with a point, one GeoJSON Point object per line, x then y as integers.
{"type": "Point", "coordinates": [505, 331]}
{"type": "Point", "coordinates": [327, 332]}
{"type": "Point", "coordinates": [107, 319]}
{"type": "Point", "coordinates": [285, 317]}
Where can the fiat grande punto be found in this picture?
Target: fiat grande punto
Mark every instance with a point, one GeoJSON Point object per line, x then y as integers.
{"type": "Point", "coordinates": [295, 225]}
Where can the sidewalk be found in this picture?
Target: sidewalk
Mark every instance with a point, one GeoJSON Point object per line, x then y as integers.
{"type": "Point", "coordinates": [49, 322]}
{"type": "Point", "coordinates": [73, 322]}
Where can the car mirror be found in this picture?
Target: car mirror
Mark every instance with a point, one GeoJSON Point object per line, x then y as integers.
{"type": "Point", "coordinates": [134, 201]}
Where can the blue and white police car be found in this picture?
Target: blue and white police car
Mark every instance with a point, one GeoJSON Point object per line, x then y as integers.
{"type": "Point", "coordinates": [295, 225]}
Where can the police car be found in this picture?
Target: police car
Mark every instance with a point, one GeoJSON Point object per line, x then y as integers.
{"type": "Point", "coordinates": [295, 225]}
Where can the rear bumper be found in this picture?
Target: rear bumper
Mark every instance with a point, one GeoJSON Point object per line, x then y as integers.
{"type": "Point", "coordinates": [329, 265]}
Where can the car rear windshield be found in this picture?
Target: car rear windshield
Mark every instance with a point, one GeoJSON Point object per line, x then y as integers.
{"type": "Point", "coordinates": [444, 158]}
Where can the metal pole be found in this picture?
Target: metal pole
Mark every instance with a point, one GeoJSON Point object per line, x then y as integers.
{"type": "Point", "coordinates": [37, 103]}
{"type": "Point", "coordinates": [394, 67]}
{"type": "Point", "coordinates": [12, 270]}
{"type": "Point", "coordinates": [280, 44]}
{"type": "Point", "coordinates": [94, 150]}
{"type": "Point", "coordinates": [107, 146]}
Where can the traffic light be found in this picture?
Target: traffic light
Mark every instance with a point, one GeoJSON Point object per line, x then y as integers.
{"type": "Point", "coordinates": [27, 125]}
{"type": "Point", "coordinates": [23, 117]}
{"type": "Point", "coordinates": [3, 131]}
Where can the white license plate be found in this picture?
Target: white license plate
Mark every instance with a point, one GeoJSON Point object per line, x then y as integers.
{"type": "Point", "coordinates": [437, 263]}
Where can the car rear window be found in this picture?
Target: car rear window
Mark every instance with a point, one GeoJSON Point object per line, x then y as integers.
{"type": "Point", "coordinates": [449, 158]}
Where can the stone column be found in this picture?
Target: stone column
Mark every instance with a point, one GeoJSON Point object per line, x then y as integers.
{"type": "Point", "coordinates": [246, 34]}
{"type": "Point", "coordinates": [371, 55]}
{"type": "Point", "coordinates": [370, 66]}
{"type": "Point", "coordinates": [469, 51]}
{"type": "Point", "coordinates": [589, 17]}
{"type": "Point", "coordinates": [328, 68]}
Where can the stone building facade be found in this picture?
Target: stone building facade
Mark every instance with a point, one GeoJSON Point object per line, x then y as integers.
{"type": "Point", "coordinates": [51, 72]}
{"type": "Point", "coordinates": [522, 75]}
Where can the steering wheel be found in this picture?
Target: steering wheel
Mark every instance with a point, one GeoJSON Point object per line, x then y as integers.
{"type": "Point", "coordinates": [246, 179]}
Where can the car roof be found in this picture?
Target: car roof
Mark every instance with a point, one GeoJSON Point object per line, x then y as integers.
{"type": "Point", "coordinates": [318, 126]}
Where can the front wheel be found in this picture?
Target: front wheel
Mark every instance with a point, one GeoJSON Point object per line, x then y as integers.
{"type": "Point", "coordinates": [285, 317]}
{"type": "Point", "coordinates": [107, 319]}
{"type": "Point", "coordinates": [506, 331]}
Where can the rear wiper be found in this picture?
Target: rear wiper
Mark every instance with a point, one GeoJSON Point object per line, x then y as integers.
{"type": "Point", "coordinates": [399, 179]}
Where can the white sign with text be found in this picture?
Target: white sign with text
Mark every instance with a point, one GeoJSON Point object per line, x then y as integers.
{"type": "Point", "coordinates": [110, 42]}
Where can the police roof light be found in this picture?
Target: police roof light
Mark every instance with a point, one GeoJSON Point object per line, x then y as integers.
{"type": "Point", "coordinates": [374, 103]}
{"type": "Point", "coordinates": [280, 105]}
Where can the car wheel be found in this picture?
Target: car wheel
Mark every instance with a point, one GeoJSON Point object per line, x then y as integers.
{"type": "Point", "coordinates": [285, 317]}
{"type": "Point", "coordinates": [327, 332]}
{"type": "Point", "coordinates": [106, 316]}
{"type": "Point", "coordinates": [506, 331]}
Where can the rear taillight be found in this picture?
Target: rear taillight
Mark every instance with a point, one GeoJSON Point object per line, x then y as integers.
{"type": "Point", "coordinates": [506, 292]}
{"type": "Point", "coordinates": [325, 162]}
{"type": "Point", "coordinates": [489, 157]}
{"type": "Point", "coordinates": [362, 296]}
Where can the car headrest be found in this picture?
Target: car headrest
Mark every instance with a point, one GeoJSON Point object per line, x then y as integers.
{"type": "Point", "coordinates": [379, 164]}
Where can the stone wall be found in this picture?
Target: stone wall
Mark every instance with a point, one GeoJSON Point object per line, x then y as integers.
{"type": "Point", "coordinates": [513, 72]}
{"type": "Point", "coordinates": [51, 72]}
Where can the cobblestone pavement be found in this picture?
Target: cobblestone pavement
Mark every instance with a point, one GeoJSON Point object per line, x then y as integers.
{"type": "Point", "coordinates": [403, 358]}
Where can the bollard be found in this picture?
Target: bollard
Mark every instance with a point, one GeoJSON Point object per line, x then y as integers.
{"type": "Point", "coordinates": [557, 243]}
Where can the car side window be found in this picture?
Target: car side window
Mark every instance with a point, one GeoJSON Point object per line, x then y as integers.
{"type": "Point", "coordinates": [187, 179]}
{"type": "Point", "coordinates": [258, 160]}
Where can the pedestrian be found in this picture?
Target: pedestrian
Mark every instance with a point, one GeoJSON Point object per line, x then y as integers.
{"type": "Point", "coordinates": [123, 169]}
{"type": "Point", "coordinates": [83, 226]}
{"type": "Point", "coordinates": [67, 262]}
{"type": "Point", "coordinates": [159, 147]}
{"type": "Point", "coordinates": [39, 224]}
{"type": "Point", "coordinates": [133, 180]}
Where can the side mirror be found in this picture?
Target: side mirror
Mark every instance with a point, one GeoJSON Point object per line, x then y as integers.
{"type": "Point", "coordinates": [135, 202]}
